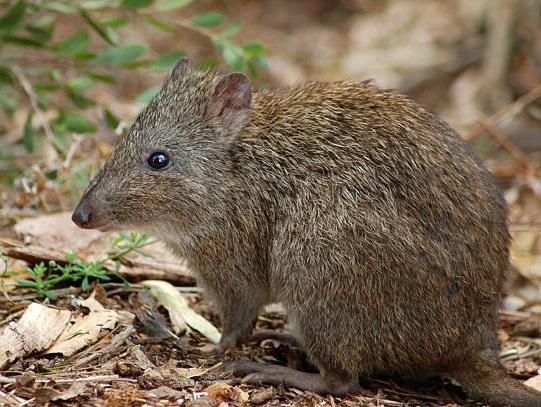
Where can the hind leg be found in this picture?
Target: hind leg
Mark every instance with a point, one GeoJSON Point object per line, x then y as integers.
{"type": "Point", "coordinates": [484, 378]}
{"type": "Point", "coordinates": [324, 383]}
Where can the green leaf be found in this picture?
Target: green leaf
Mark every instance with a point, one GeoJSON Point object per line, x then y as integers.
{"type": "Point", "coordinates": [253, 49]}
{"type": "Point", "coordinates": [120, 55]}
{"type": "Point", "coordinates": [208, 19]}
{"type": "Point", "coordinates": [41, 28]}
{"type": "Point", "coordinates": [114, 21]}
{"type": "Point", "coordinates": [166, 5]}
{"type": "Point", "coordinates": [84, 284]}
{"type": "Point", "coordinates": [46, 86]}
{"type": "Point", "coordinates": [64, 8]}
{"type": "Point", "coordinates": [80, 101]}
{"type": "Point", "coordinates": [81, 82]}
{"type": "Point", "coordinates": [13, 17]}
{"type": "Point", "coordinates": [25, 42]}
{"type": "Point", "coordinates": [97, 28]}
{"type": "Point", "coordinates": [230, 55]}
{"type": "Point", "coordinates": [55, 75]}
{"type": "Point", "coordinates": [43, 100]}
{"type": "Point", "coordinates": [252, 68]}
{"type": "Point", "coordinates": [110, 119]}
{"type": "Point", "coordinates": [262, 61]}
{"type": "Point", "coordinates": [168, 60]}
{"type": "Point", "coordinates": [43, 21]}
{"type": "Point", "coordinates": [23, 282]}
{"type": "Point", "coordinates": [207, 64]}
{"type": "Point", "coordinates": [74, 44]}
{"type": "Point", "coordinates": [147, 95]}
{"type": "Point", "coordinates": [112, 34]}
{"type": "Point", "coordinates": [95, 4]}
{"type": "Point", "coordinates": [61, 141]}
{"type": "Point", "coordinates": [84, 56]}
{"type": "Point", "coordinates": [29, 140]}
{"type": "Point", "coordinates": [40, 34]}
{"type": "Point", "coordinates": [77, 123]}
{"type": "Point", "coordinates": [7, 100]}
{"type": "Point", "coordinates": [101, 77]}
{"type": "Point", "coordinates": [232, 29]}
{"type": "Point", "coordinates": [6, 76]}
{"type": "Point", "coordinates": [135, 4]}
{"type": "Point", "coordinates": [160, 25]}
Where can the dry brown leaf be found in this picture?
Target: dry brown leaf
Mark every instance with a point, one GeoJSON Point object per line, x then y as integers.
{"type": "Point", "coordinates": [85, 329]}
{"type": "Point", "coordinates": [224, 392]}
{"type": "Point", "coordinates": [38, 327]}
{"type": "Point", "coordinates": [45, 395]}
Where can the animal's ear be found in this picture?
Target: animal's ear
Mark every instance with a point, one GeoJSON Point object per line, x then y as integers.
{"type": "Point", "coordinates": [230, 103]}
{"type": "Point", "coordinates": [181, 68]}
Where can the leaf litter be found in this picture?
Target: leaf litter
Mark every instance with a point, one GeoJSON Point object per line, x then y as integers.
{"type": "Point", "coordinates": [151, 343]}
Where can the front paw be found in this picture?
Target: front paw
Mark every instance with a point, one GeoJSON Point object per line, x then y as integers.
{"type": "Point", "coordinates": [230, 341]}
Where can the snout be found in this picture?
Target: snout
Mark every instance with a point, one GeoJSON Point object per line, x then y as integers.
{"type": "Point", "coordinates": [91, 213]}
{"type": "Point", "coordinates": [84, 215]}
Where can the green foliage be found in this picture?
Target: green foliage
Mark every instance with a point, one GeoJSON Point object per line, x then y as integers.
{"type": "Point", "coordinates": [63, 70]}
{"type": "Point", "coordinates": [46, 277]}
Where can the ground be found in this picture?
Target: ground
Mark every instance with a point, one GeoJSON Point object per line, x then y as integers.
{"type": "Point", "coordinates": [138, 359]}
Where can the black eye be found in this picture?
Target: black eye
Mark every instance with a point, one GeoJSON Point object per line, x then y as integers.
{"type": "Point", "coordinates": [158, 160]}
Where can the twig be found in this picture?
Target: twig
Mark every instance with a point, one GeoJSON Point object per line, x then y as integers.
{"type": "Point", "coordinates": [29, 90]}
{"type": "Point", "coordinates": [99, 378]}
{"type": "Point", "coordinates": [72, 150]}
{"type": "Point", "coordinates": [516, 153]}
{"type": "Point", "coordinates": [504, 114]}
{"type": "Point", "coordinates": [7, 399]}
{"type": "Point", "coordinates": [503, 141]}
{"type": "Point", "coordinates": [183, 23]}
{"type": "Point", "coordinates": [117, 341]}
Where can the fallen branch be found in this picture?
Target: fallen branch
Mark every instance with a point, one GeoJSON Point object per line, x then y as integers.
{"type": "Point", "coordinates": [142, 270]}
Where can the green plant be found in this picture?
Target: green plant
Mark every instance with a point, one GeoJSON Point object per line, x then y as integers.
{"type": "Point", "coordinates": [54, 75]}
{"type": "Point", "coordinates": [45, 277]}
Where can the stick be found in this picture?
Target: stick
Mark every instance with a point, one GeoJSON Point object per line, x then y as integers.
{"type": "Point", "coordinates": [504, 114]}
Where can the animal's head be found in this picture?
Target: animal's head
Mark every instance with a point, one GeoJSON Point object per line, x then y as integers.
{"type": "Point", "coordinates": [172, 165]}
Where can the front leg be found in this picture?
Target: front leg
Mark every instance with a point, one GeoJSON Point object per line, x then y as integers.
{"type": "Point", "coordinates": [238, 311]}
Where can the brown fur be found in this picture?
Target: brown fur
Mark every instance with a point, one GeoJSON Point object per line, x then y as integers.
{"type": "Point", "coordinates": [368, 217]}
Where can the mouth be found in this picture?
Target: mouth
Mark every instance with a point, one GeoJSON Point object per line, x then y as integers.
{"type": "Point", "coordinates": [102, 227]}
{"type": "Point", "coordinates": [106, 227]}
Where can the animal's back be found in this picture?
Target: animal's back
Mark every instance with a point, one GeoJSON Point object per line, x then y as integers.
{"type": "Point", "coordinates": [381, 214]}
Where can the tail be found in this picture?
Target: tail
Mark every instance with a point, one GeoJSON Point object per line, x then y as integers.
{"type": "Point", "coordinates": [487, 381]}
